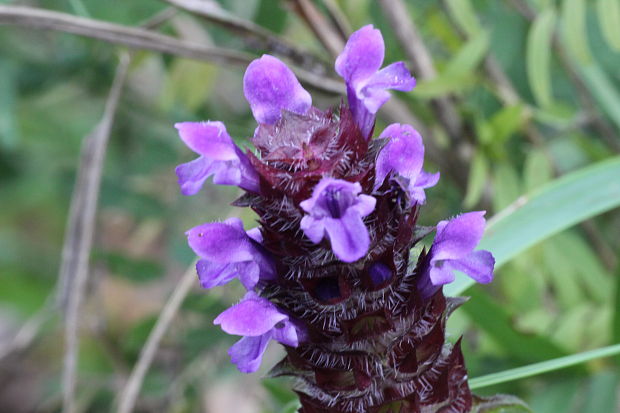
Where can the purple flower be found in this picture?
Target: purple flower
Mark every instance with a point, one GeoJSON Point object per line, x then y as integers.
{"type": "Point", "coordinates": [404, 155]}
{"type": "Point", "coordinates": [336, 209]}
{"type": "Point", "coordinates": [360, 66]}
{"type": "Point", "coordinates": [258, 321]}
{"type": "Point", "coordinates": [228, 252]}
{"type": "Point", "coordinates": [219, 156]}
{"type": "Point", "coordinates": [453, 250]}
{"type": "Point", "coordinates": [270, 87]}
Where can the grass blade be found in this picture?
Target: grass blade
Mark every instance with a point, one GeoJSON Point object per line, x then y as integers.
{"type": "Point", "coordinates": [538, 59]}
{"type": "Point", "coordinates": [554, 207]}
{"type": "Point", "coordinates": [543, 367]}
{"type": "Point", "coordinates": [609, 17]}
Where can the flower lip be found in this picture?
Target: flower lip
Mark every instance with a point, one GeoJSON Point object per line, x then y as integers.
{"type": "Point", "coordinates": [335, 210]}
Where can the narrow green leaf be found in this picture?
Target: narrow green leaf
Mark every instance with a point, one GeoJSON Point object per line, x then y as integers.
{"type": "Point", "coordinates": [544, 367]}
{"type": "Point", "coordinates": [477, 181]}
{"type": "Point", "coordinates": [559, 205]}
{"type": "Point", "coordinates": [574, 30]}
{"type": "Point", "coordinates": [602, 394]}
{"type": "Point", "coordinates": [603, 90]}
{"type": "Point", "coordinates": [469, 56]}
{"type": "Point", "coordinates": [464, 14]}
{"type": "Point", "coordinates": [609, 16]}
{"type": "Point", "coordinates": [538, 59]}
{"type": "Point", "coordinates": [537, 170]}
{"type": "Point", "coordinates": [444, 85]}
{"type": "Point", "coordinates": [497, 323]}
{"type": "Point", "coordinates": [616, 307]}
{"type": "Point", "coordinates": [507, 121]}
{"type": "Point", "coordinates": [506, 186]}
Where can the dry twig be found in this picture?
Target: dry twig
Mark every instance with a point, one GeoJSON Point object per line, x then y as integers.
{"type": "Point", "coordinates": [258, 37]}
{"type": "Point", "coordinates": [131, 390]}
{"type": "Point", "coordinates": [139, 38]}
{"type": "Point", "coordinates": [80, 232]}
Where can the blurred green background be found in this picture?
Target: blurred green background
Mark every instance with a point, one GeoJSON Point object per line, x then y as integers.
{"type": "Point", "coordinates": [553, 109]}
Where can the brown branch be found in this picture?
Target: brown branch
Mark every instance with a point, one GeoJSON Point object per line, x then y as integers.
{"type": "Point", "coordinates": [131, 390]}
{"type": "Point", "coordinates": [330, 38]}
{"type": "Point", "coordinates": [258, 37]}
{"type": "Point", "coordinates": [80, 232]}
{"type": "Point", "coordinates": [139, 38]}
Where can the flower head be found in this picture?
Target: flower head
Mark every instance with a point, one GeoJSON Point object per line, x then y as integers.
{"type": "Point", "coordinates": [228, 252]}
{"type": "Point", "coordinates": [367, 84]}
{"type": "Point", "coordinates": [335, 210]}
{"type": "Point", "coordinates": [404, 155]}
{"type": "Point", "coordinates": [258, 321]}
{"type": "Point", "coordinates": [219, 156]}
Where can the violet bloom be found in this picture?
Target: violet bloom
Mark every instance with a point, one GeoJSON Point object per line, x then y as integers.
{"type": "Point", "coordinates": [258, 321]}
{"type": "Point", "coordinates": [228, 252]}
{"type": "Point", "coordinates": [360, 66]}
{"type": "Point", "coordinates": [219, 156]}
{"type": "Point", "coordinates": [336, 209]}
{"type": "Point", "coordinates": [270, 87]}
{"type": "Point", "coordinates": [404, 155]}
{"type": "Point", "coordinates": [453, 250]}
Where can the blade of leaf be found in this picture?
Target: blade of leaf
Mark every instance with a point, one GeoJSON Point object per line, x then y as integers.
{"type": "Point", "coordinates": [543, 367]}
{"type": "Point", "coordinates": [603, 90]}
{"type": "Point", "coordinates": [574, 30]}
{"type": "Point", "coordinates": [496, 322]}
{"type": "Point", "coordinates": [463, 13]}
{"type": "Point", "coordinates": [554, 207]}
{"type": "Point", "coordinates": [609, 17]}
{"type": "Point", "coordinates": [538, 59]}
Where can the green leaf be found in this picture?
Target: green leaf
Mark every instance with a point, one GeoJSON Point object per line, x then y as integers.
{"type": "Point", "coordinates": [604, 91]}
{"type": "Point", "coordinates": [538, 59]}
{"type": "Point", "coordinates": [537, 170]}
{"type": "Point", "coordinates": [506, 121]}
{"type": "Point", "coordinates": [477, 181]}
{"type": "Point", "coordinates": [292, 407]}
{"type": "Point", "coordinates": [616, 304]}
{"type": "Point", "coordinates": [8, 86]}
{"type": "Point", "coordinates": [544, 367]}
{"type": "Point", "coordinates": [602, 394]}
{"type": "Point", "coordinates": [497, 323]}
{"type": "Point", "coordinates": [500, 403]}
{"type": "Point", "coordinates": [443, 85]}
{"type": "Point", "coordinates": [469, 56]}
{"type": "Point", "coordinates": [464, 14]}
{"type": "Point", "coordinates": [609, 17]}
{"type": "Point", "coordinates": [506, 186]}
{"type": "Point", "coordinates": [559, 205]}
{"type": "Point", "coordinates": [574, 30]}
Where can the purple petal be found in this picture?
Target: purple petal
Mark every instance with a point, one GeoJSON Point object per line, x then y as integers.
{"type": "Point", "coordinates": [192, 175]}
{"type": "Point", "coordinates": [286, 333]}
{"type": "Point", "coordinates": [212, 275]}
{"type": "Point", "coordinates": [221, 242]}
{"type": "Point", "coordinates": [362, 56]}
{"type": "Point", "coordinates": [348, 236]}
{"type": "Point", "coordinates": [270, 86]}
{"type": "Point", "coordinates": [313, 228]}
{"type": "Point", "coordinates": [226, 172]}
{"type": "Point", "coordinates": [478, 265]}
{"type": "Point", "coordinates": [403, 154]}
{"type": "Point", "coordinates": [247, 353]}
{"type": "Point", "coordinates": [255, 234]}
{"type": "Point", "coordinates": [379, 273]}
{"type": "Point", "coordinates": [425, 180]}
{"type": "Point", "coordinates": [442, 274]}
{"type": "Point", "coordinates": [208, 138]}
{"type": "Point", "coordinates": [458, 237]}
{"type": "Point", "coordinates": [395, 76]}
{"type": "Point", "coordinates": [253, 316]}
